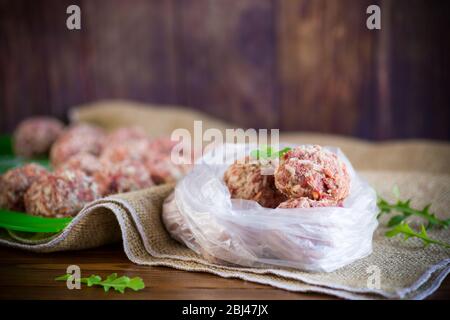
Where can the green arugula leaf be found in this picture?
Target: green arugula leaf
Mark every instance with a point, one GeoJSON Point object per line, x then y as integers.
{"type": "Point", "coordinates": [404, 207]}
{"type": "Point", "coordinates": [136, 284]}
{"type": "Point", "coordinates": [64, 277]}
{"type": "Point", "coordinates": [92, 280]}
{"type": "Point", "coordinates": [112, 281]}
{"type": "Point", "coordinates": [109, 279]}
{"type": "Point", "coordinates": [399, 225]}
{"type": "Point", "coordinates": [407, 232]}
{"type": "Point", "coordinates": [267, 152]}
{"type": "Point", "coordinates": [395, 220]}
{"type": "Point", "coordinates": [283, 151]}
{"type": "Point", "coordinates": [255, 154]}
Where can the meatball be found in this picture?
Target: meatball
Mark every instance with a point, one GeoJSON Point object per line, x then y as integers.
{"type": "Point", "coordinates": [245, 181]}
{"type": "Point", "coordinates": [308, 203]}
{"type": "Point", "coordinates": [124, 135]}
{"type": "Point", "coordinates": [85, 162]}
{"type": "Point", "coordinates": [162, 145]}
{"type": "Point", "coordinates": [136, 151]}
{"type": "Point", "coordinates": [312, 172]}
{"type": "Point", "coordinates": [163, 170]}
{"type": "Point", "coordinates": [123, 177]}
{"type": "Point", "coordinates": [15, 182]}
{"type": "Point", "coordinates": [61, 194]}
{"type": "Point", "coordinates": [35, 136]}
{"type": "Point", "coordinates": [160, 164]}
{"type": "Point", "coordinates": [78, 139]}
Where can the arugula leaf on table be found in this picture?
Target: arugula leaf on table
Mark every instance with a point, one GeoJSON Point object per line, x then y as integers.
{"type": "Point", "coordinates": [405, 210]}
{"type": "Point", "coordinates": [112, 281]}
{"type": "Point", "coordinates": [399, 225]}
{"type": "Point", "coordinates": [407, 232]}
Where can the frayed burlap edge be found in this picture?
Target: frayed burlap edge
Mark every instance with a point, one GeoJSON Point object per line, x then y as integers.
{"type": "Point", "coordinates": [135, 217]}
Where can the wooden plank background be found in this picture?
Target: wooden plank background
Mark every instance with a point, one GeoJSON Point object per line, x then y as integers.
{"type": "Point", "coordinates": [308, 65]}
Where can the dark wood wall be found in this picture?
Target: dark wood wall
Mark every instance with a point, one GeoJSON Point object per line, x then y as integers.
{"type": "Point", "coordinates": [290, 64]}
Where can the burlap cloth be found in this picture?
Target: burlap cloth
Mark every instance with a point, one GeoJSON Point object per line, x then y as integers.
{"type": "Point", "coordinates": [406, 269]}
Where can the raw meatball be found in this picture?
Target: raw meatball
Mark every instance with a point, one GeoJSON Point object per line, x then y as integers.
{"type": "Point", "coordinates": [245, 181]}
{"type": "Point", "coordinates": [15, 182]}
{"type": "Point", "coordinates": [125, 135]}
{"type": "Point", "coordinates": [162, 145]}
{"type": "Point", "coordinates": [163, 170]}
{"type": "Point", "coordinates": [123, 177]}
{"type": "Point", "coordinates": [160, 164]}
{"type": "Point", "coordinates": [78, 139]}
{"type": "Point", "coordinates": [135, 151]}
{"type": "Point", "coordinates": [61, 194]}
{"type": "Point", "coordinates": [312, 172]}
{"type": "Point", "coordinates": [35, 136]}
{"type": "Point", "coordinates": [308, 203]}
{"type": "Point", "coordinates": [85, 162]}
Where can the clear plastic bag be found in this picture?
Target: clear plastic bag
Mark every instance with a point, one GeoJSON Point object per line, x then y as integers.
{"type": "Point", "coordinates": [202, 215]}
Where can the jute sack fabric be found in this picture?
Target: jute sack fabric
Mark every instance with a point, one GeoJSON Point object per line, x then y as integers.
{"type": "Point", "coordinates": [406, 155]}
{"type": "Point", "coordinates": [405, 269]}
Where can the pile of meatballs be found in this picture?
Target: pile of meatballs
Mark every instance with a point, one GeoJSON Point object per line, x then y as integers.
{"type": "Point", "coordinates": [87, 164]}
{"type": "Point", "coordinates": [307, 176]}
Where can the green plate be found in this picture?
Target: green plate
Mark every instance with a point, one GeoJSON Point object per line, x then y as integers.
{"type": "Point", "coordinates": [20, 221]}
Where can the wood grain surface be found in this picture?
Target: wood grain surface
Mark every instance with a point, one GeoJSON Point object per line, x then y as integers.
{"type": "Point", "coordinates": [25, 275]}
{"type": "Point", "coordinates": [326, 59]}
{"type": "Point", "coordinates": [309, 65]}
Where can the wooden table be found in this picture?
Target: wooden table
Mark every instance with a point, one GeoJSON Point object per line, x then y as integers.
{"type": "Point", "coordinates": [25, 275]}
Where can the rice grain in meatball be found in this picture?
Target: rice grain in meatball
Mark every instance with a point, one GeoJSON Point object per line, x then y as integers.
{"type": "Point", "coordinates": [15, 182]}
{"type": "Point", "coordinates": [81, 138]}
{"type": "Point", "coordinates": [308, 203]}
{"type": "Point", "coordinates": [245, 181]}
{"type": "Point", "coordinates": [123, 177]}
{"type": "Point", "coordinates": [61, 194]}
{"type": "Point", "coordinates": [35, 136]}
{"type": "Point", "coordinates": [85, 162]}
{"type": "Point", "coordinates": [312, 172]}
